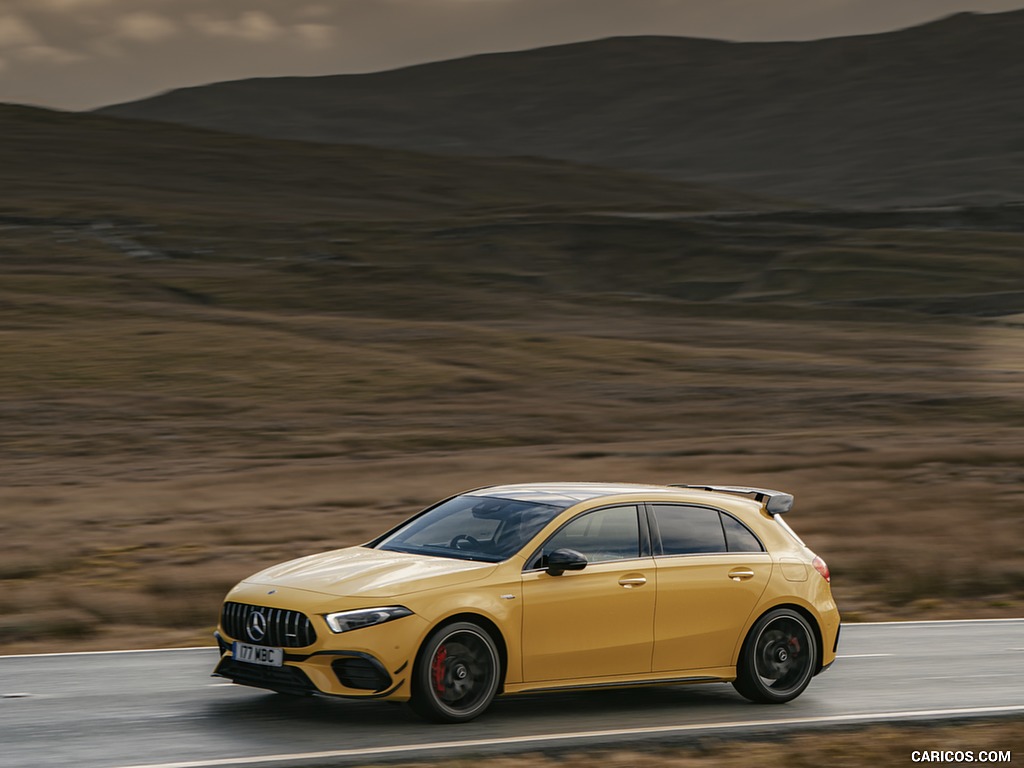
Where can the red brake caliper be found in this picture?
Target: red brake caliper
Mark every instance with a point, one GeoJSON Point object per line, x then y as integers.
{"type": "Point", "coordinates": [794, 643]}
{"type": "Point", "coordinates": [437, 668]}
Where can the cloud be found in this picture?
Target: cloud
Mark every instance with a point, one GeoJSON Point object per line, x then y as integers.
{"type": "Point", "coordinates": [315, 35]}
{"type": "Point", "coordinates": [315, 12]}
{"type": "Point", "coordinates": [47, 54]}
{"type": "Point", "coordinates": [144, 27]}
{"type": "Point", "coordinates": [15, 32]}
{"type": "Point", "coordinates": [254, 26]}
{"type": "Point", "coordinates": [108, 47]}
{"type": "Point", "coordinates": [69, 5]}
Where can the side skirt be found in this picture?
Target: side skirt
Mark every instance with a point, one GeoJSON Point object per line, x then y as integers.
{"type": "Point", "coordinates": [545, 687]}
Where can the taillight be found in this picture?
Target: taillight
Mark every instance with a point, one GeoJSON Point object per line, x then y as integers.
{"type": "Point", "coordinates": [822, 567]}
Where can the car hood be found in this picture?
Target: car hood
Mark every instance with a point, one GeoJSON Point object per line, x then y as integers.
{"type": "Point", "coordinates": [364, 572]}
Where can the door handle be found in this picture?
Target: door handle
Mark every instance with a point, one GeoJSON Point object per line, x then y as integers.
{"type": "Point", "coordinates": [741, 574]}
{"type": "Point", "coordinates": [632, 581]}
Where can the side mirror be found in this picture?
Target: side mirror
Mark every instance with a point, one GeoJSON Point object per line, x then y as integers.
{"type": "Point", "coordinates": [562, 560]}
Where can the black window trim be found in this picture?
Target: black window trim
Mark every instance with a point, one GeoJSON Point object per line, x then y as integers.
{"type": "Point", "coordinates": [646, 540]}
{"type": "Point", "coordinates": [657, 547]}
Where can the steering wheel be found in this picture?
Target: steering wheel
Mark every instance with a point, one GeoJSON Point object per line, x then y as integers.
{"type": "Point", "coordinates": [464, 538]}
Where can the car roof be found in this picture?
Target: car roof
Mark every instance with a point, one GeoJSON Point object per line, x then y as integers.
{"type": "Point", "coordinates": [566, 494]}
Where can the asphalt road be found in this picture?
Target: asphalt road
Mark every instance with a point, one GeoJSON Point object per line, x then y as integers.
{"type": "Point", "coordinates": [161, 708]}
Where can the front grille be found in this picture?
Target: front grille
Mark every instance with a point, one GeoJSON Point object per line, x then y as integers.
{"type": "Point", "coordinates": [281, 628]}
{"type": "Point", "coordinates": [283, 679]}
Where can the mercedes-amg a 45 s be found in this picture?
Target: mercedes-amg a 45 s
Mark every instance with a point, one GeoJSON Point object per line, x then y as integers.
{"type": "Point", "coordinates": [544, 587]}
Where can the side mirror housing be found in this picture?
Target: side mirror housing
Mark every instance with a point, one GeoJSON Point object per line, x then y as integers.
{"type": "Point", "coordinates": [562, 560]}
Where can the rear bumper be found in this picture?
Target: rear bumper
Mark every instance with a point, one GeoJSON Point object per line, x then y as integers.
{"type": "Point", "coordinates": [835, 649]}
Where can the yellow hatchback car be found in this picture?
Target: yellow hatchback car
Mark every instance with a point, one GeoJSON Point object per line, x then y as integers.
{"type": "Point", "coordinates": [544, 587]}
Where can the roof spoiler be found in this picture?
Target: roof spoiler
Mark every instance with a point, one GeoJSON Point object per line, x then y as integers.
{"type": "Point", "coordinates": [775, 502]}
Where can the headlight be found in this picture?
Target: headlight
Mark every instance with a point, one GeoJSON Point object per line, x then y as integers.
{"type": "Point", "coordinates": [346, 621]}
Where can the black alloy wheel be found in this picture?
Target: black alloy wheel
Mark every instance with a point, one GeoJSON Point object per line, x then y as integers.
{"type": "Point", "coordinates": [457, 674]}
{"type": "Point", "coordinates": [778, 658]}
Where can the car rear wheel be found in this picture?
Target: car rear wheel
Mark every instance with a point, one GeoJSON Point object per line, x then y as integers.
{"type": "Point", "coordinates": [778, 658]}
{"type": "Point", "coordinates": [456, 674]}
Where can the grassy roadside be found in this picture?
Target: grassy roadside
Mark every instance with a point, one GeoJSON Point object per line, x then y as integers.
{"type": "Point", "coordinates": [878, 746]}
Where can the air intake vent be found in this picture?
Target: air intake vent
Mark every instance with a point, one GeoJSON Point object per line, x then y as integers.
{"type": "Point", "coordinates": [361, 672]}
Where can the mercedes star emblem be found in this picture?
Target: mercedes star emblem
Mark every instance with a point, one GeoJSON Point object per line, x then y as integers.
{"type": "Point", "coordinates": [256, 627]}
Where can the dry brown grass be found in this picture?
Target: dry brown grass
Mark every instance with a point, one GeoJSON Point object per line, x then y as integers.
{"type": "Point", "coordinates": [140, 496]}
{"type": "Point", "coordinates": [879, 746]}
{"type": "Point", "coordinates": [186, 398]}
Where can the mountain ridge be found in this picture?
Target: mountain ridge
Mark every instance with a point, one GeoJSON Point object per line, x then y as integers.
{"type": "Point", "coordinates": [69, 163]}
{"type": "Point", "coordinates": [921, 115]}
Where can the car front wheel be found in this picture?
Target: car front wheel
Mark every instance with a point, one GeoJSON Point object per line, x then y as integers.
{"type": "Point", "coordinates": [456, 674]}
{"type": "Point", "coordinates": [778, 658]}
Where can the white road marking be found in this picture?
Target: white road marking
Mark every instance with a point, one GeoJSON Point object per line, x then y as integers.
{"type": "Point", "coordinates": [108, 653]}
{"type": "Point", "coordinates": [927, 621]}
{"type": "Point", "coordinates": [581, 735]}
{"type": "Point", "coordinates": [964, 677]}
{"type": "Point", "coordinates": [861, 655]}
{"type": "Point", "coordinates": [214, 647]}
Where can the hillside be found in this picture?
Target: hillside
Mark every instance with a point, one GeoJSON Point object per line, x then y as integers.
{"type": "Point", "coordinates": [926, 114]}
{"type": "Point", "coordinates": [73, 164]}
{"type": "Point", "coordinates": [220, 352]}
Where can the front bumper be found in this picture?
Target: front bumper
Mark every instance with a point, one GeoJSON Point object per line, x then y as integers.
{"type": "Point", "coordinates": [368, 663]}
{"type": "Point", "coordinates": [287, 679]}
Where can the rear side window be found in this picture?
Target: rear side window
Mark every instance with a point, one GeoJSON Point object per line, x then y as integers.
{"type": "Point", "coordinates": [738, 537]}
{"type": "Point", "coordinates": [689, 530]}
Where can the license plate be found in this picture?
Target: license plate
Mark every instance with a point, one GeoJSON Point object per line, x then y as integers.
{"type": "Point", "coordinates": [258, 654]}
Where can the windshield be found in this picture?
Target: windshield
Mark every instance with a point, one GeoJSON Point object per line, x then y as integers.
{"type": "Point", "coordinates": [472, 528]}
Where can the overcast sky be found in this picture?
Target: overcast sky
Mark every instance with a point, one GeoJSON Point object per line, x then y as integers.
{"type": "Point", "coordinates": [79, 54]}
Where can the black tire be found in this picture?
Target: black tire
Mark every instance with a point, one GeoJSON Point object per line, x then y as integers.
{"type": "Point", "coordinates": [456, 675]}
{"type": "Point", "coordinates": [778, 658]}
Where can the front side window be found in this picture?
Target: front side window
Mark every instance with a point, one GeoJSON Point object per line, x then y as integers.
{"type": "Point", "coordinates": [471, 528]}
{"type": "Point", "coordinates": [612, 533]}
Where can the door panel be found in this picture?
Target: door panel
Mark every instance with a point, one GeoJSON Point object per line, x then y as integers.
{"type": "Point", "coordinates": [703, 603]}
{"type": "Point", "coordinates": [590, 623]}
